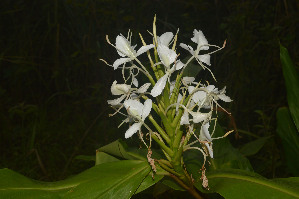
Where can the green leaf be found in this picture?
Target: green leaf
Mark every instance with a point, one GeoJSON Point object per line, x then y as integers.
{"type": "Point", "coordinates": [253, 147]}
{"type": "Point", "coordinates": [108, 180]}
{"type": "Point", "coordinates": [292, 84]}
{"type": "Point", "coordinates": [290, 139]}
{"type": "Point", "coordinates": [102, 157]}
{"type": "Point", "coordinates": [236, 184]}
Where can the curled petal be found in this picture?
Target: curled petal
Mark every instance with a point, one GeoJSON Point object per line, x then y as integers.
{"type": "Point", "coordinates": [117, 101]}
{"type": "Point", "coordinates": [119, 89]}
{"type": "Point", "coordinates": [120, 61]}
{"type": "Point", "coordinates": [133, 129]}
{"type": "Point", "coordinates": [167, 56]}
{"type": "Point", "coordinates": [165, 38]}
{"type": "Point", "coordinates": [124, 46]}
{"type": "Point", "coordinates": [143, 49]}
{"type": "Point", "coordinates": [143, 88]}
{"type": "Point", "coordinates": [186, 47]}
{"type": "Point", "coordinates": [146, 108]}
{"type": "Point", "coordinates": [159, 86]}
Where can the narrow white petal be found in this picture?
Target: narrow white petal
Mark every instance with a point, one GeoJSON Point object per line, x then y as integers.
{"type": "Point", "coordinates": [167, 56]}
{"type": "Point", "coordinates": [124, 45]}
{"type": "Point", "coordinates": [205, 130]}
{"type": "Point", "coordinates": [166, 38]}
{"type": "Point", "coordinates": [205, 59]}
{"type": "Point", "coordinates": [117, 101]}
{"type": "Point", "coordinates": [134, 108]}
{"type": "Point", "coordinates": [179, 65]}
{"type": "Point", "coordinates": [159, 86]}
{"type": "Point", "coordinates": [143, 88]}
{"type": "Point", "coordinates": [199, 117]}
{"type": "Point", "coordinates": [186, 47]}
{"type": "Point", "coordinates": [143, 49]}
{"type": "Point", "coordinates": [224, 98]}
{"type": "Point", "coordinates": [210, 149]}
{"type": "Point", "coordinates": [200, 39]}
{"type": "Point", "coordinates": [185, 118]}
{"type": "Point", "coordinates": [120, 61]}
{"type": "Point", "coordinates": [133, 129]}
{"type": "Point", "coordinates": [146, 108]}
{"type": "Point", "coordinates": [180, 97]}
{"type": "Point", "coordinates": [135, 82]}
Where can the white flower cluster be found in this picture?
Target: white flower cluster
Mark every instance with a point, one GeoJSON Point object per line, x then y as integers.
{"type": "Point", "coordinates": [181, 101]}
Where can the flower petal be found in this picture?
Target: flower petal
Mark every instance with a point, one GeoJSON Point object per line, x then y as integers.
{"type": "Point", "coordinates": [143, 88]}
{"type": "Point", "coordinates": [159, 86]}
{"type": "Point", "coordinates": [185, 118]}
{"type": "Point", "coordinates": [135, 81]}
{"type": "Point", "coordinates": [134, 108]}
{"type": "Point", "coordinates": [200, 39]}
{"type": "Point", "coordinates": [179, 65]}
{"type": "Point", "coordinates": [186, 47]}
{"type": "Point", "coordinates": [210, 149]}
{"type": "Point", "coordinates": [120, 61]}
{"type": "Point", "coordinates": [167, 56]}
{"type": "Point", "coordinates": [205, 130]}
{"type": "Point", "coordinates": [224, 98]}
{"type": "Point", "coordinates": [199, 117]}
{"type": "Point", "coordinates": [205, 59]}
{"type": "Point", "coordinates": [117, 101]}
{"type": "Point", "coordinates": [133, 129]}
{"type": "Point", "coordinates": [124, 45]}
{"type": "Point", "coordinates": [119, 89]}
{"type": "Point", "coordinates": [146, 108]}
{"type": "Point", "coordinates": [143, 49]}
{"type": "Point", "coordinates": [165, 38]}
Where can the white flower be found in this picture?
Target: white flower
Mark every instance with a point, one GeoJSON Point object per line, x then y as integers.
{"type": "Point", "coordinates": [127, 51]}
{"type": "Point", "coordinates": [202, 44]}
{"type": "Point", "coordinates": [207, 95]}
{"type": "Point", "coordinates": [119, 89]}
{"type": "Point", "coordinates": [125, 91]}
{"type": "Point", "coordinates": [167, 57]}
{"type": "Point", "coordinates": [138, 111]}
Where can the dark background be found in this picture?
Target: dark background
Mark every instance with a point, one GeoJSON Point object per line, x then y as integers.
{"type": "Point", "coordinates": [54, 89]}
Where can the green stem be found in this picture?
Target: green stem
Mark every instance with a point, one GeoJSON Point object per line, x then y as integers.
{"type": "Point", "coordinates": [162, 145]}
{"type": "Point", "coordinates": [159, 129]}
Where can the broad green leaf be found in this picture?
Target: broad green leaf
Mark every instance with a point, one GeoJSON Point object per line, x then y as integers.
{"type": "Point", "coordinates": [148, 181]}
{"type": "Point", "coordinates": [192, 69]}
{"type": "Point", "coordinates": [108, 180]}
{"type": "Point", "coordinates": [292, 84]}
{"type": "Point", "coordinates": [253, 147]}
{"type": "Point", "coordinates": [236, 184]}
{"type": "Point", "coordinates": [102, 157]}
{"type": "Point", "coordinates": [290, 139]}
